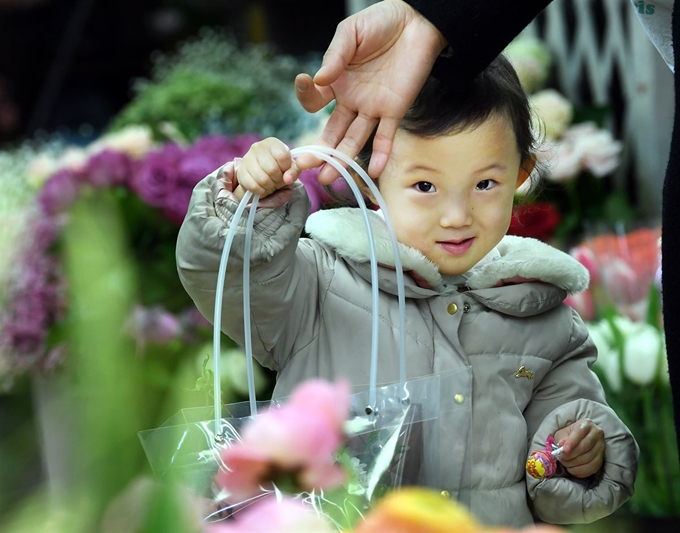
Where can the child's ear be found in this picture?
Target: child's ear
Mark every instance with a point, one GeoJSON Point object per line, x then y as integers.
{"type": "Point", "coordinates": [525, 170]}
{"type": "Point", "coordinates": [364, 188]}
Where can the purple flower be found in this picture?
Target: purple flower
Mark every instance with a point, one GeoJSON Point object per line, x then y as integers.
{"type": "Point", "coordinates": [210, 153]}
{"type": "Point", "coordinates": [319, 196]}
{"type": "Point", "coordinates": [59, 192]}
{"type": "Point", "coordinates": [108, 169]}
{"type": "Point", "coordinates": [221, 149]}
{"type": "Point", "coordinates": [192, 318]}
{"type": "Point", "coordinates": [215, 147]}
{"type": "Point", "coordinates": [157, 175]}
{"type": "Point", "coordinates": [176, 204]}
{"type": "Point", "coordinates": [36, 297]}
{"type": "Point", "coordinates": [194, 167]}
{"type": "Point", "coordinates": [153, 325]}
{"type": "Point", "coordinates": [41, 230]}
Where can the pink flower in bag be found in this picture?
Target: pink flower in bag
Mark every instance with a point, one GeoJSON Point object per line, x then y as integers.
{"type": "Point", "coordinates": [291, 447]}
{"type": "Point", "coordinates": [272, 515]}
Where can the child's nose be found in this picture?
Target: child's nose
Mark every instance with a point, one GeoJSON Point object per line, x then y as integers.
{"type": "Point", "coordinates": [456, 213]}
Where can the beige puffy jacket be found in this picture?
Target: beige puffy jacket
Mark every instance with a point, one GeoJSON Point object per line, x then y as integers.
{"type": "Point", "coordinates": [311, 317]}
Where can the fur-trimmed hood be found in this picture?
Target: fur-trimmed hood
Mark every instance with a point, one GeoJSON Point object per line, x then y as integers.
{"type": "Point", "coordinates": [515, 257]}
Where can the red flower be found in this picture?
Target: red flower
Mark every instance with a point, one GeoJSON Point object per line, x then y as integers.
{"type": "Point", "coordinates": [537, 220]}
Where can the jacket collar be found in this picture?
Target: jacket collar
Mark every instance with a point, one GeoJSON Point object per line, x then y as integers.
{"type": "Point", "coordinates": [343, 229]}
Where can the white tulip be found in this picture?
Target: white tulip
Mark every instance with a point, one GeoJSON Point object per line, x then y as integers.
{"type": "Point", "coordinates": [625, 325]}
{"type": "Point", "coordinates": [641, 354]}
{"type": "Point", "coordinates": [607, 362]}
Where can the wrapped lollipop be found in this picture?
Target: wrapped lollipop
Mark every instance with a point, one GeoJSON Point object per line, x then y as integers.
{"type": "Point", "coordinates": [542, 464]}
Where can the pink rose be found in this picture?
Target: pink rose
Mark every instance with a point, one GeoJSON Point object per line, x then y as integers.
{"type": "Point", "coordinates": [563, 160]}
{"type": "Point", "coordinates": [600, 152]}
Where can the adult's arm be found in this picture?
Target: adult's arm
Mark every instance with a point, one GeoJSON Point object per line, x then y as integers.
{"type": "Point", "coordinates": [476, 31]}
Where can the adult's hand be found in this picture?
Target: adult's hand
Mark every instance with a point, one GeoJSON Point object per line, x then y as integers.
{"type": "Point", "coordinates": [374, 68]}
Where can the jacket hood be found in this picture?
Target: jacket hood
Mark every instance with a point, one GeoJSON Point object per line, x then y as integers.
{"type": "Point", "coordinates": [344, 230]}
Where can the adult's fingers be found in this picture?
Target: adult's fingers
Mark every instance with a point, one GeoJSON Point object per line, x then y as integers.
{"type": "Point", "coordinates": [351, 144]}
{"type": "Point", "coordinates": [336, 129]}
{"type": "Point", "coordinates": [355, 139]}
{"type": "Point", "coordinates": [382, 145]}
{"type": "Point", "coordinates": [313, 98]}
{"type": "Point", "coordinates": [306, 161]}
{"type": "Point", "coordinates": [340, 52]}
{"type": "Point", "coordinates": [333, 132]}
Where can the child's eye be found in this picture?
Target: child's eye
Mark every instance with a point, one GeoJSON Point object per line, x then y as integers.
{"type": "Point", "coordinates": [485, 185]}
{"type": "Point", "coordinates": [425, 186]}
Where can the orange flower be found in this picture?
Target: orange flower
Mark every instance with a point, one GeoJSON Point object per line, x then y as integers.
{"type": "Point", "coordinates": [420, 510]}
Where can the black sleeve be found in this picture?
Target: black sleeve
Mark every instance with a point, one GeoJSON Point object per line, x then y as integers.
{"type": "Point", "coordinates": [476, 30]}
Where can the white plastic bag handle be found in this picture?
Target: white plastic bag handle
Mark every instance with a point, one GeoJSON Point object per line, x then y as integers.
{"type": "Point", "coordinates": [325, 154]}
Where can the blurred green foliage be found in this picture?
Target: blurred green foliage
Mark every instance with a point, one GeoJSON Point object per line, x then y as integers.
{"type": "Point", "coordinates": [214, 84]}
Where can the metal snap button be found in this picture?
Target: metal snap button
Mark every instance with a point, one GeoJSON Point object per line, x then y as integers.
{"type": "Point", "coordinates": [452, 308]}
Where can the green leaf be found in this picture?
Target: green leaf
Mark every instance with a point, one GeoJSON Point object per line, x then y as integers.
{"type": "Point", "coordinates": [654, 307]}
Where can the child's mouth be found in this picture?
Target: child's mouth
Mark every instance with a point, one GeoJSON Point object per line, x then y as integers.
{"type": "Point", "coordinates": [457, 247]}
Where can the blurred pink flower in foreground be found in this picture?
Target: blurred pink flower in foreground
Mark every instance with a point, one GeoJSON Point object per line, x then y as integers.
{"type": "Point", "coordinates": [291, 447]}
{"type": "Point", "coordinates": [271, 515]}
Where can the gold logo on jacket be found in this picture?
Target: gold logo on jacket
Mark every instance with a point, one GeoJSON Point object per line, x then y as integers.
{"type": "Point", "coordinates": [522, 372]}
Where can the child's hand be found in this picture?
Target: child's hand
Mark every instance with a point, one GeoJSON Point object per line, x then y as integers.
{"type": "Point", "coordinates": [266, 168]}
{"type": "Point", "coordinates": [583, 448]}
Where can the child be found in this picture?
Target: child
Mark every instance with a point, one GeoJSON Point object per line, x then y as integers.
{"type": "Point", "coordinates": [476, 298]}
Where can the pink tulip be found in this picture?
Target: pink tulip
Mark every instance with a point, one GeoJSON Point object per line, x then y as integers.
{"type": "Point", "coordinates": [292, 446]}
{"type": "Point", "coordinates": [269, 515]}
{"type": "Point", "coordinates": [586, 256]}
{"type": "Point", "coordinates": [622, 282]}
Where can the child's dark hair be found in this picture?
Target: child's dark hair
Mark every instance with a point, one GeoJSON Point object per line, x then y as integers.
{"type": "Point", "coordinates": [442, 109]}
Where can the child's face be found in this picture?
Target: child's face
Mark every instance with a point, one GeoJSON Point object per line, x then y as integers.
{"type": "Point", "coordinates": [451, 196]}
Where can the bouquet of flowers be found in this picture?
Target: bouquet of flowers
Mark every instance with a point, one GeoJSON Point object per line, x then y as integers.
{"type": "Point", "coordinates": [623, 314]}
{"type": "Point", "coordinates": [290, 469]}
{"type": "Point", "coordinates": [623, 267]}
{"type": "Point", "coordinates": [152, 184]}
{"type": "Point", "coordinates": [575, 153]}
{"type": "Point", "coordinates": [633, 367]}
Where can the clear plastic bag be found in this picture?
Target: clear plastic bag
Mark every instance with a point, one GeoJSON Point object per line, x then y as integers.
{"type": "Point", "coordinates": [393, 431]}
